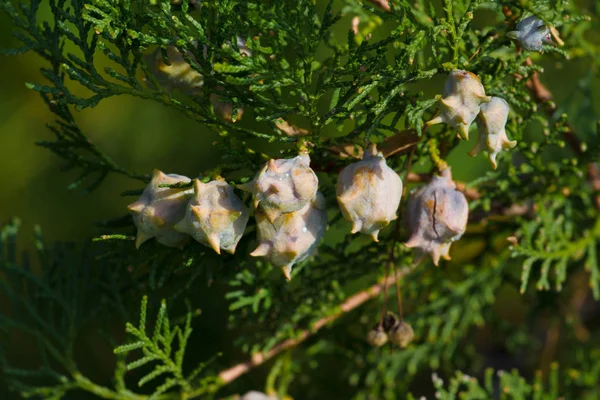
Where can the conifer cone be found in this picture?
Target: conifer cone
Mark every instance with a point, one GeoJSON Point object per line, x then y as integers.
{"type": "Point", "coordinates": [215, 216]}
{"type": "Point", "coordinates": [283, 186]}
{"type": "Point", "coordinates": [531, 34]}
{"type": "Point", "coordinates": [158, 209]}
{"type": "Point", "coordinates": [459, 106]}
{"type": "Point", "coordinates": [369, 193]}
{"type": "Point", "coordinates": [291, 237]}
{"type": "Point", "coordinates": [436, 216]}
{"type": "Point", "coordinates": [491, 123]}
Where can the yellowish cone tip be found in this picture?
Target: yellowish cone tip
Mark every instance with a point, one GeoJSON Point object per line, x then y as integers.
{"type": "Point", "coordinates": [287, 272]}
{"type": "Point", "coordinates": [435, 255]}
{"type": "Point", "coordinates": [232, 249]}
{"type": "Point", "coordinates": [272, 165]}
{"type": "Point", "coordinates": [137, 206]}
{"type": "Point", "coordinates": [261, 251]}
{"type": "Point", "coordinates": [141, 238]}
{"type": "Point", "coordinates": [215, 242]}
{"type": "Point", "coordinates": [198, 185]}
{"type": "Point", "coordinates": [157, 174]}
{"type": "Point", "coordinates": [463, 131]}
{"type": "Point", "coordinates": [356, 226]}
{"type": "Point", "coordinates": [272, 189]}
{"type": "Point", "coordinates": [200, 212]}
{"type": "Point", "coordinates": [374, 236]}
{"type": "Point", "coordinates": [271, 214]}
{"type": "Point", "coordinates": [434, 121]}
{"type": "Point", "coordinates": [413, 241]}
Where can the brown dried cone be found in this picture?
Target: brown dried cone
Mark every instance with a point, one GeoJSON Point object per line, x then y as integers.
{"type": "Point", "coordinates": [377, 336]}
{"type": "Point", "coordinates": [401, 334]}
{"type": "Point", "coordinates": [291, 237]}
{"type": "Point", "coordinates": [390, 321]}
{"type": "Point", "coordinates": [215, 216]}
{"type": "Point", "coordinates": [158, 209]}
{"type": "Point", "coordinates": [369, 193]}
{"type": "Point", "coordinates": [436, 216]}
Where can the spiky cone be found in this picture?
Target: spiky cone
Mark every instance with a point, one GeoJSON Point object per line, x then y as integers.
{"type": "Point", "coordinates": [215, 216]}
{"type": "Point", "coordinates": [436, 216]}
{"type": "Point", "coordinates": [459, 106]}
{"type": "Point", "coordinates": [293, 236]}
{"type": "Point", "coordinates": [491, 123]}
{"type": "Point", "coordinates": [158, 209]}
{"type": "Point", "coordinates": [377, 336]}
{"type": "Point", "coordinates": [369, 193]}
{"type": "Point", "coordinates": [402, 334]}
{"type": "Point", "coordinates": [531, 34]}
{"type": "Point", "coordinates": [283, 186]}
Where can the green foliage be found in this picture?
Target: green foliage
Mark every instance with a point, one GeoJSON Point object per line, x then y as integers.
{"type": "Point", "coordinates": [513, 386]}
{"type": "Point", "coordinates": [273, 77]}
{"type": "Point", "coordinates": [552, 239]}
{"type": "Point", "coordinates": [160, 348]}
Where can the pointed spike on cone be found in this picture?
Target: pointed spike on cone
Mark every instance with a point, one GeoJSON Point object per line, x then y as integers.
{"type": "Point", "coordinates": [158, 174]}
{"type": "Point", "coordinates": [198, 186]}
{"type": "Point", "coordinates": [200, 212]}
{"type": "Point", "coordinates": [463, 131]}
{"type": "Point", "coordinates": [434, 121]}
{"type": "Point", "coordinates": [137, 206]}
{"type": "Point", "coordinates": [272, 165]}
{"type": "Point", "coordinates": [256, 202]}
{"type": "Point", "coordinates": [181, 226]}
{"type": "Point", "coordinates": [374, 236]}
{"type": "Point", "coordinates": [141, 238]}
{"type": "Point", "coordinates": [509, 144]}
{"type": "Point", "coordinates": [414, 241]}
{"type": "Point", "coordinates": [272, 190]}
{"type": "Point", "coordinates": [262, 250]}
{"type": "Point", "coordinates": [271, 213]}
{"type": "Point", "coordinates": [287, 272]}
{"type": "Point", "coordinates": [493, 161]}
{"type": "Point", "coordinates": [356, 226]}
{"type": "Point", "coordinates": [231, 250]}
{"type": "Point", "coordinates": [215, 242]}
{"type": "Point", "coordinates": [435, 255]}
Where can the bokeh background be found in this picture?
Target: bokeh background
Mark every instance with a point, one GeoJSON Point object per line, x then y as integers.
{"type": "Point", "coordinates": [141, 135]}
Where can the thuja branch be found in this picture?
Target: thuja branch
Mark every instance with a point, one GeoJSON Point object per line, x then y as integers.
{"type": "Point", "coordinates": [230, 374]}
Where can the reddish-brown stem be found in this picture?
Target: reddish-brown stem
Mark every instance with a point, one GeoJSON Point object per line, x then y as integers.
{"type": "Point", "coordinates": [230, 374]}
{"type": "Point", "coordinates": [385, 294]}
